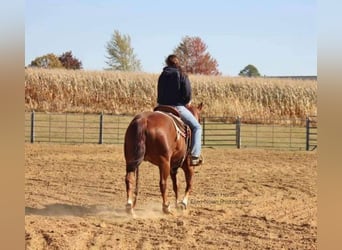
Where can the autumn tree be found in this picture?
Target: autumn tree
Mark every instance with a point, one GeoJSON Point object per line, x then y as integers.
{"type": "Point", "coordinates": [121, 54]}
{"type": "Point", "coordinates": [194, 57]}
{"type": "Point", "coordinates": [69, 61]}
{"type": "Point", "coordinates": [47, 61]}
{"type": "Point", "coordinates": [66, 60]}
{"type": "Point", "coordinates": [249, 71]}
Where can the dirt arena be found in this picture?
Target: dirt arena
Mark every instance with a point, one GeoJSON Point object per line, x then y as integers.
{"type": "Point", "coordinates": [242, 199]}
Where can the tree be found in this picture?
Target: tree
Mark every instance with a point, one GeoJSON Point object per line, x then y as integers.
{"type": "Point", "coordinates": [194, 58]}
{"type": "Point", "coordinates": [47, 61]}
{"type": "Point", "coordinates": [120, 53]}
{"type": "Point", "coordinates": [249, 71]}
{"type": "Point", "coordinates": [66, 60]}
{"type": "Point", "coordinates": [70, 62]}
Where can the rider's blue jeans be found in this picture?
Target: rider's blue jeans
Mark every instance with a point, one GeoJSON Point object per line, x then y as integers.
{"type": "Point", "coordinates": [195, 127]}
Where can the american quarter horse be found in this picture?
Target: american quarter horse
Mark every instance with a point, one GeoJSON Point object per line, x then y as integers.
{"type": "Point", "coordinates": [152, 136]}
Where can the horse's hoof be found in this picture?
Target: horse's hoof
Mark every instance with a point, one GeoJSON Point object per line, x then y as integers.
{"type": "Point", "coordinates": [167, 209]}
{"type": "Point", "coordinates": [129, 209]}
{"type": "Point", "coordinates": [182, 206]}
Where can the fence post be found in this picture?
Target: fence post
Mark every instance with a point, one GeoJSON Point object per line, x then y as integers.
{"type": "Point", "coordinates": [101, 129]}
{"type": "Point", "coordinates": [32, 127]}
{"type": "Point", "coordinates": [66, 127]}
{"type": "Point", "coordinates": [238, 132]}
{"type": "Point", "coordinates": [203, 131]}
{"type": "Point", "coordinates": [307, 133]}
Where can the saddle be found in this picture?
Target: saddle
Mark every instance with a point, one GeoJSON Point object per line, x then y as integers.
{"type": "Point", "coordinates": [182, 128]}
{"type": "Point", "coordinates": [167, 109]}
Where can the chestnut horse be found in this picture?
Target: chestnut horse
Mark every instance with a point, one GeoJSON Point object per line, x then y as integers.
{"type": "Point", "coordinates": [152, 137]}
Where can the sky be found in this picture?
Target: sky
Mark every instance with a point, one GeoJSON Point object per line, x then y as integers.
{"type": "Point", "coordinates": [278, 37]}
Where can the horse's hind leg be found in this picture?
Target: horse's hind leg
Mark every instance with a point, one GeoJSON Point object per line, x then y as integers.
{"type": "Point", "coordinates": [131, 178]}
{"type": "Point", "coordinates": [174, 182]}
{"type": "Point", "coordinates": [164, 170]}
{"type": "Point", "coordinates": [189, 172]}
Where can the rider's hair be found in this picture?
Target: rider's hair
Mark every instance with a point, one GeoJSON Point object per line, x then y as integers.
{"type": "Point", "coordinates": [172, 61]}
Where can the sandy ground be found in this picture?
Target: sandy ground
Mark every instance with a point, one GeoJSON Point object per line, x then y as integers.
{"type": "Point", "coordinates": [242, 199]}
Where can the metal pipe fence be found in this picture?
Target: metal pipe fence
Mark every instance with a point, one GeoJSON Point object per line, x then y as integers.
{"type": "Point", "coordinates": [216, 131]}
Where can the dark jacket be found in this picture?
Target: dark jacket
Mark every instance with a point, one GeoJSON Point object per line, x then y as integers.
{"type": "Point", "coordinates": [173, 88]}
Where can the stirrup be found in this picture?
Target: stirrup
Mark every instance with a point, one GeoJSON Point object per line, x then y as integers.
{"type": "Point", "coordinates": [196, 161]}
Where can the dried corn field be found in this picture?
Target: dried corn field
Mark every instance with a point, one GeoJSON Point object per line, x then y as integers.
{"type": "Point", "coordinates": [130, 93]}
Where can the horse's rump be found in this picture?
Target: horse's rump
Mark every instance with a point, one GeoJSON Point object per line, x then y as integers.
{"type": "Point", "coordinates": [150, 136]}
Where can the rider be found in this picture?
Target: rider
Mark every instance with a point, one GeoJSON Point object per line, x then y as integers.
{"type": "Point", "coordinates": [174, 89]}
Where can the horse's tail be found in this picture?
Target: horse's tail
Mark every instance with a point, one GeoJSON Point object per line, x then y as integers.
{"type": "Point", "coordinates": [135, 143]}
{"type": "Point", "coordinates": [135, 148]}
